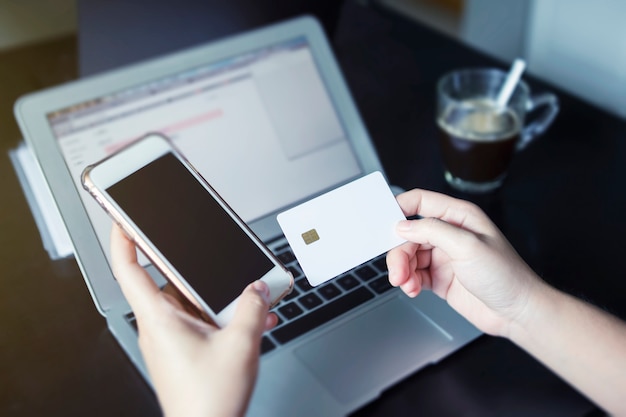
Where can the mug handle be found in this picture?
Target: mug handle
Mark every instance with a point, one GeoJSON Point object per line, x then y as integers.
{"type": "Point", "coordinates": [537, 127]}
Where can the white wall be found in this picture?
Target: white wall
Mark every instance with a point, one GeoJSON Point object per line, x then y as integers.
{"type": "Point", "coordinates": [497, 27]}
{"type": "Point", "coordinates": [580, 45]}
{"type": "Point", "coordinates": [28, 21]}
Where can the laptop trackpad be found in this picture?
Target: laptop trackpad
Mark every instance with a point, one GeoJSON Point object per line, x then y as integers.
{"type": "Point", "coordinates": [392, 339]}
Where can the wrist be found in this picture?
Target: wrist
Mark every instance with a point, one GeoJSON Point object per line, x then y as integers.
{"type": "Point", "coordinates": [538, 300]}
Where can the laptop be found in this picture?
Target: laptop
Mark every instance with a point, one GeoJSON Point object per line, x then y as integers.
{"type": "Point", "coordinates": [267, 118]}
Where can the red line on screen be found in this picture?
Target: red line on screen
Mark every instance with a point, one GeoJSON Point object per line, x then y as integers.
{"type": "Point", "coordinates": [170, 129]}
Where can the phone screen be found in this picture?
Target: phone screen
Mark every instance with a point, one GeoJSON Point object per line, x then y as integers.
{"type": "Point", "coordinates": [207, 247]}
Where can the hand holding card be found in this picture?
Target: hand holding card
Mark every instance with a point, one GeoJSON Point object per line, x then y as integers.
{"type": "Point", "coordinates": [343, 228]}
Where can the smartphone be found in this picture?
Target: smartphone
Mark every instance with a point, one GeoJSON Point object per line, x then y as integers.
{"type": "Point", "coordinates": [182, 225]}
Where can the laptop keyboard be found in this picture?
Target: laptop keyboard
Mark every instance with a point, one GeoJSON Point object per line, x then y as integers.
{"type": "Point", "coordinates": [307, 308]}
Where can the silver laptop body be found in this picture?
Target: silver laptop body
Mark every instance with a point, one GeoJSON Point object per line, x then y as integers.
{"type": "Point", "coordinates": [267, 118]}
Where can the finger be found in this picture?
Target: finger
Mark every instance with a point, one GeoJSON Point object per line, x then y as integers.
{"type": "Point", "coordinates": [399, 263]}
{"type": "Point", "coordinates": [408, 268]}
{"type": "Point", "coordinates": [454, 241]}
{"type": "Point", "coordinates": [252, 310]}
{"type": "Point", "coordinates": [452, 210]}
{"type": "Point", "coordinates": [271, 321]}
{"type": "Point", "coordinates": [411, 288]}
{"type": "Point", "coordinates": [137, 286]}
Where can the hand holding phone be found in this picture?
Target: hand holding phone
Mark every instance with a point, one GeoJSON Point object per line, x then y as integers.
{"type": "Point", "coordinates": [183, 226]}
{"type": "Point", "coordinates": [187, 358]}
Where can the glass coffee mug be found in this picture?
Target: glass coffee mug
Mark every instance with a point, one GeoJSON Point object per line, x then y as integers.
{"type": "Point", "coordinates": [478, 138]}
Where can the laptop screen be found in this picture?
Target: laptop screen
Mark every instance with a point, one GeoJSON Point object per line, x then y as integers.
{"type": "Point", "coordinates": [260, 127]}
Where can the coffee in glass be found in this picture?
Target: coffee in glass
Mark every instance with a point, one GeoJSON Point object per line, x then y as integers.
{"type": "Point", "coordinates": [478, 137]}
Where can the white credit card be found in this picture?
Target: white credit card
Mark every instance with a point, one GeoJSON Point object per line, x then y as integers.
{"type": "Point", "coordinates": [343, 228]}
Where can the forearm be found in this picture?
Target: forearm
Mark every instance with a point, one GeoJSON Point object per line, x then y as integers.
{"type": "Point", "coordinates": [583, 344]}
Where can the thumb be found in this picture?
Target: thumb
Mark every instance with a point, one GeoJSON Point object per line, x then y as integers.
{"type": "Point", "coordinates": [252, 309]}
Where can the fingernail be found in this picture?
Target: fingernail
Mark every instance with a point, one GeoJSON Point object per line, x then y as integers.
{"type": "Point", "coordinates": [262, 288]}
{"type": "Point", "coordinates": [404, 225]}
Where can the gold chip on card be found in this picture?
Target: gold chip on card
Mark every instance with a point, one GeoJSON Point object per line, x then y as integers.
{"type": "Point", "coordinates": [310, 236]}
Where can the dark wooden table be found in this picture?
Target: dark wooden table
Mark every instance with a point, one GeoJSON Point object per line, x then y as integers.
{"type": "Point", "coordinates": [560, 207]}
